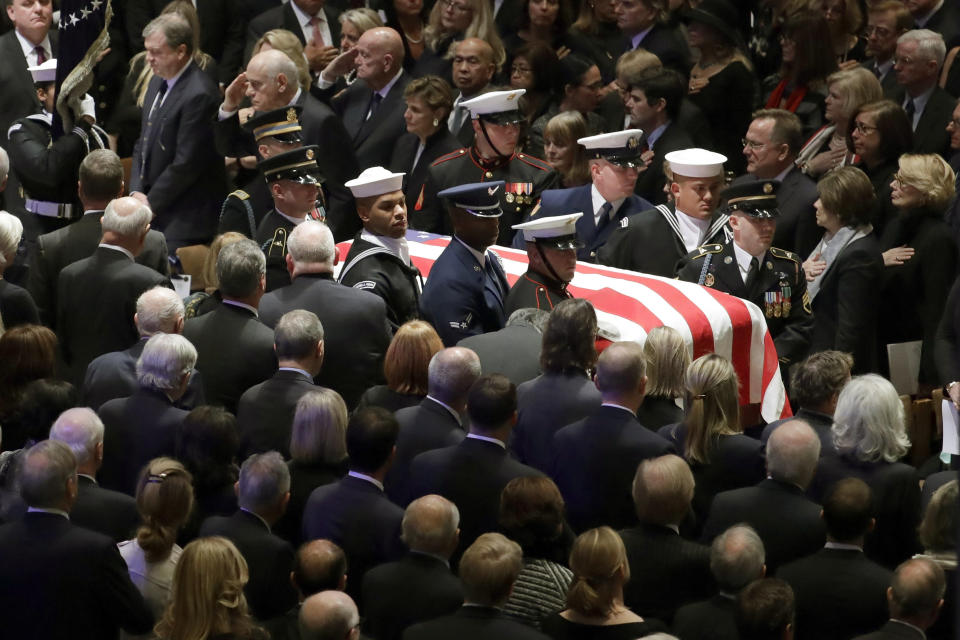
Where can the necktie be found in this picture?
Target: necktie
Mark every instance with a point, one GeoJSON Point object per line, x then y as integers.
{"type": "Point", "coordinates": [604, 215]}
{"type": "Point", "coordinates": [41, 54]}
{"type": "Point", "coordinates": [457, 119]}
{"type": "Point", "coordinates": [876, 71]}
{"type": "Point", "coordinates": [910, 109]}
{"type": "Point", "coordinates": [317, 36]}
{"type": "Point", "coordinates": [162, 91]}
{"type": "Point", "coordinates": [374, 103]}
{"type": "Point", "coordinates": [491, 275]}
{"type": "Point", "coordinates": [751, 280]}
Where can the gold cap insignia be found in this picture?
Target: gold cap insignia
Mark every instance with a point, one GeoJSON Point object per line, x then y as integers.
{"type": "Point", "coordinates": [767, 187]}
{"type": "Point", "coordinates": [309, 154]}
{"type": "Point", "coordinates": [291, 115]}
{"type": "Point", "coordinates": [633, 142]}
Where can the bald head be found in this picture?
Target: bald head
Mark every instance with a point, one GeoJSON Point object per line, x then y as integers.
{"type": "Point", "coordinates": [320, 565]}
{"type": "Point", "coordinates": [272, 79]}
{"type": "Point", "coordinates": [793, 451]}
{"type": "Point", "coordinates": [474, 63]}
{"type": "Point", "coordinates": [379, 56]}
{"type": "Point", "coordinates": [329, 615]}
{"type": "Point", "coordinates": [451, 373]}
{"type": "Point", "coordinates": [916, 592]}
{"type": "Point", "coordinates": [81, 430]}
{"type": "Point", "coordinates": [430, 525]}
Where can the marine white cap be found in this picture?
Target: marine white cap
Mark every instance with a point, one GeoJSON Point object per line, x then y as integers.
{"type": "Point", "coordinates": [494, 102]}
{"type": "Point", "coordinates": [549, 227]}
{"type": "Point", "coordinates": [375, 181]}
{"type": "Point", "coordinates": [696, 163]}
{"type": "Point", "coordinates": [46, 72]}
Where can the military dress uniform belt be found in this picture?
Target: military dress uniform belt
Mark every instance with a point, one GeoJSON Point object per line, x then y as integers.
{"type": "Point", "coordinates": [51, 209]}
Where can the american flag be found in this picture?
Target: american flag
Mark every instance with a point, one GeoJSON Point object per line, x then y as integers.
{"type": "Point", "coordinates": [83, 38]}
{"type": "Point", "coordinates": [635, 303]}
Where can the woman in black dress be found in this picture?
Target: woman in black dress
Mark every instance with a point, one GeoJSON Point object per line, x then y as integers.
{"type": "Point", "coordinates": [667, 359]}
{"type": "Point", "coordinates": [405, 368]}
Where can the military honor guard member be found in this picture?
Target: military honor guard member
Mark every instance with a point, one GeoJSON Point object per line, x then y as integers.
{"type": "Point", "coordinates": [275, 132]}
{"type": "Point", "coordinates": [465, 293]}
{"type": "Point", "coordinates": [654, 241]}
{"type": "Point", "coordinates": [379, 258]}
{"type": "Point", "coordinates": [496, 121]}
{"type": "Point", "coordinates": [749, 268]}
{"type": "Point", "coordinates": [615, 163]}
{"type": "Point", "coordinates": [47, 169]}
{"type": "Point", "coordinates": [294, 181]}
{"type": "Point", "coordinates": [552, 245]}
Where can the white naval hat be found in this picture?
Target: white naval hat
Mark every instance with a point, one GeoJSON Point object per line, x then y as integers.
{"type": "Point", "coordinates": [696, 163]}
{"type": "Point", "coordinates": [501, 107]}
{"type": "Point", "coordinates": [375, 181]}
{"type": "Point", "coordinates": [619, 147]}
{"type": "Point", "coordinates": [559, 232]}
{"type": "Point", "coordinates": [46, 72]}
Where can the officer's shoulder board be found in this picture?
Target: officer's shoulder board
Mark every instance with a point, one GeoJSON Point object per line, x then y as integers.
{"type": "Point", "coordinates": [239, 194]}
{"type": "Point", "coordinates": [534, 162]}
{"type": "Point", "coordinates": [705, 250]}
{"type": "Point", "coordinates": [786, 255]}
{"type": "Point", "coordinates": [450, 156]}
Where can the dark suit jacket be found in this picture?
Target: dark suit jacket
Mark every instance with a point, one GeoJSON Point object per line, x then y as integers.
{"type": "Point", "coordinates": [844, 309]}
{"type": "Point", "coordinates": [556, 202]}
{"type": "Point", "coordinates": [666, 42]}
{"type": "Point", "coordinates": [472, 623]}
{"type": "Point", "coordinates": [594, 462]}
{"type": "Point", "coordinates": [659, 411]}
{"type": "Point", "coordinates": [428, 587]}
{"type": "Point", "coordinates": [373, 138]}
{"type": "Point", "coordinates": [713, 619]}
{"type": "Point", "coordinates": [893, 630]}
{"type": "Point", "coordinates": [424, 427]}
{"type": "Point", "coordinates": [137, 430]}
{"type": "Point", "coordinates": [650, 183]}
{"type": "Point", "coordinates": [58, 580]}
{"type": "Point", "coordinates": [471, 475]}
{"type": "Point", "coordinates": [439, 144]}
{"type": "Point", "coordinates": [355, 328]}
{"type": "Point", "coordinates": [175, 161]}
{"type": "Point", "coordinates": [19, 98]}
{"type": "Point", "coordinates": [513, 351]}
{"type": "Point", "coordinates": [114, 375]}
{"type": "Point", "coordinates": [544, 405]}
{"type": "Point", "coordinates": [234, 352]}
{"type": "Point", "coordinates": [797, 228]}
{"type": "Point", "coordinates": [891, 90]}
{"type": "Point", "coordinates": [931, 135]}
{"type": "Point", "coordinates": [57, 249]}
{"type": "Point", "coordinates": [839, 594]}
{"type": "Point", "coordinates": [17, 306]}
{"type": "Point", "coordinates": [108, 512]}
{"type": "Point", "coordinates": [786, 520]}
{"type": "Point", "coordinates": [269, 559]}
{"type": "Point", "coordinates": [284, 17]}
{"type": "Point", "coordinates": [460, 300]}
{"type": "Point", "coordinates": [819, 422]}
{"type": "Point", "coordinates": [896, 503]}
{"type": "Point", "coordinates": [356, 515]}
{"type": "Point", "coordinates": [265, 412]}
{"type": "Point", "coordinates": [666, 571]}
{"type": "Point", "coordinates": [96, 302]}
{"type": "Point", "coordinates": [736, 461]}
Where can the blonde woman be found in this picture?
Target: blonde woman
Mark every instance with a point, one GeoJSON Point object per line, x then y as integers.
{"type": "Point", "coordinates": [164, 500]}
{"type": "Point", "coordinates": [919, 257]}
{"type": "Point", "coordinates": [710, 437]}
{"type": "Point", "coordinates": [870, 437]}
{"type": "Point", "coordinates": [595, 606]}
{"type": "Point", "coordinates": [208, 601]}
{"type": "Point", "coordinates": [667, 357]}
{"type": "Point", "coordinates": [561, 151]}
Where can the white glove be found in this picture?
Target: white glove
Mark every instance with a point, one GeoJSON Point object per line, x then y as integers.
{"type": "Point", "coordinates": [87, 107]}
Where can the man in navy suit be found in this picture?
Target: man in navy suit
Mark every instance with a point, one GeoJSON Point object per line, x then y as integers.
{"type": "Point", "coordinates": [614, 164]}
{"type": "Point", "coordinates": [920, 55]}
{"type": "Point", "coordinates": [596, 458]}
{"type": "Point", "coordinates": [466, 293]}
{"type": "Point", "coordinates": [175, 162]}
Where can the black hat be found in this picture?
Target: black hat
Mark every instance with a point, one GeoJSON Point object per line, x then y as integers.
{"type": "Point", "coordinates": [282, 124]}
{"type": "Point", "coordinates": [482, 199]}
{"type": "Point", "coordinates": [718, 14]}
{"type": "Point", "coordinates": [757, 199]}
{"type": "Point", "coordinates": [298, 165]}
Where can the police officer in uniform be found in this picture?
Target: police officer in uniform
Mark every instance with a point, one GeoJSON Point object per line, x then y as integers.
{"type": "Point", "coordinates": [749, 268]}
{"type": "Point", "coordinates": [48, 169]}
{"type": "Point", "coordinates": [275, 132]}
{"type": "Point", "coordinates": [467, 288]}
{"type": "Point", "coordinates": [379, 258]}
{"type": "Point", "coordinates": [552, 245]}
{"type": "Point", "coordinates": [496, 122]}
{"type": "Point", "coordinates": [294, 182]}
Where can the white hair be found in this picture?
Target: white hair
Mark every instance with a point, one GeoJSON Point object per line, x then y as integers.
{"type": "Point", "coordinates": [158, 311]}
{"type": "Point", "coordinates": [166, 358]}
{"type": "Point", "coordinates": [930, 45]}
{"type": "Point", "coordinates": [81, 430]}
{"type": "Point", "coordinates": [793, 452]}
{"type": "Point", "coordinates": [11, 230]}
{"type": "Point", "coordinates": [311, 242]}
{"type": "Point", "coordinates": [868, 422]}
{"type": "Point", "coordinates": [126, 217]}
{"type": "Point", "coordinates": [4, 165]}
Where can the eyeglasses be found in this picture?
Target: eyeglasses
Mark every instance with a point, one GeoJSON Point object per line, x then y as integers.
{"type": "Point", "coordinates": [899, 179]}
{"type": "Point", "coordinates": [755, 146]}
{"type": "Point", "coordinates": [520, 70]}
{"type": "Point", "coordinates": [882, 32]}
{"type": "Point", "coordinates": [904, 60]}
{"type": "Point", "coordinates": [456, 6]}
{"type": "Point", "coordinates": [863, 129]}
{"type": "Point", "coordinates": [955, 123]}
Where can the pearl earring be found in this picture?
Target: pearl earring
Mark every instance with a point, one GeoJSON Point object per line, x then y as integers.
{"type": "Point", "coordinates": [436, 122]}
